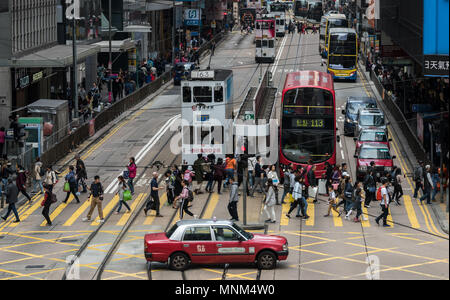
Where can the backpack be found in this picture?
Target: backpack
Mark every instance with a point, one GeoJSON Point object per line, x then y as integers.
{"type": "Point", "coordinates": [41, 172]}
{"type": "Point", "coordinates": [416, 173]}
{"type": "Point", "coordinates": [379, 196]}
{"type": "Point", "coordinates": [190, 196]}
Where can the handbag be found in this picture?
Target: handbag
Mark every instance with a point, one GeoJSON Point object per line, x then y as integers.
{"type": "Point", "coordinates": [67, 187]}
{"type": "Point", "coordinates": [126, 174]}
{"type": "Point", "coordinates": [127, 195]}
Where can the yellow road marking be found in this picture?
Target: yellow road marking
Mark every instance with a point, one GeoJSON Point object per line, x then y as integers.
{"type": "Point", "coordinates": [78, 212]}
{"type": "Point", "coordinates": [365, 215]}
{"type": "Point", "coordinates": [123, 220]}
{"type": "Point", "coordinates": [58, 210]}
{"type": "Point", "coordinates": [284, 221]}
{"type": "Point", "coordinates": [390, 221]}
{"type": "Point", "coordinates": [111, 204]}
{"type": "Point", "coordinates": [211, 206]}
{"type": "Point", "coordinates": [310, 212]}
{"type": "Point", "coordinates": [411, 212]}
{"type": "Point", "coordinates": [20, 210]}
{"type": "Point", "coordinates": [29, 211]}
{"type": "Point", "coordinates": [336, 219]}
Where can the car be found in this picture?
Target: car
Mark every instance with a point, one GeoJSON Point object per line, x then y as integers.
{"type": "Point", "coordinates": [370, 118]}
{"type": "Point", "coordinates": [371, 135]}
{"type": "Point", "coordinates": [182, 72]}
{"type": "Point", "coordinates": [213, 242]}
{"type": "Point", "coordinates": [354, 104]}
{"type": "Point", "coordinates": [374, 152]}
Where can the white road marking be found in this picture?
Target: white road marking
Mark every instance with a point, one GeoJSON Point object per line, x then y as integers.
{"type": "Point", "coordinates": [141, 154]}
{"type": "Point", "coordinates": [277, 59]}
{"type": "Point", "coordinates": [342, 153]}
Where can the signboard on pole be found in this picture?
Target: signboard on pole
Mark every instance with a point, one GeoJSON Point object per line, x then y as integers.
{"type": "Point", "coordinates": [192, 17]}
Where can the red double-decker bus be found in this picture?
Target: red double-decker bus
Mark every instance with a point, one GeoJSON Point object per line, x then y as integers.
{"type": "Point", "coordinates": [308, 120]}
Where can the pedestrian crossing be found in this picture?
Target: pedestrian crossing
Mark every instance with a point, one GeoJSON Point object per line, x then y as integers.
{"type": "Point", "coordinates": [70, 213]}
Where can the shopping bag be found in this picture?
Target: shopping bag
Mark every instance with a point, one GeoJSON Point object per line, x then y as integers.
{"type": "Point", "coordinates": [67, 187]}
{"type": "Point", "coordinates": [127, 195]}
{"type": "Point", "coordinates": [290, 198]}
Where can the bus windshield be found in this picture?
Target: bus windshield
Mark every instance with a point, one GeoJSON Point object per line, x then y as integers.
{"type": "Point", "coordinates": [343, 43]}
{"type": "Point", "coordinates": [309, 101]}
{"type": "Point", "coordinates": [342, 62]}
{"type": "Point", "coordinates": [299, 146]}
{"type": "Point", "coordinates": [337, 23]}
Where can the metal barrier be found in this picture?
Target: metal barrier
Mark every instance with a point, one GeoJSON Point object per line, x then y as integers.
{"type": "Point", "coordinates": [414, 143]}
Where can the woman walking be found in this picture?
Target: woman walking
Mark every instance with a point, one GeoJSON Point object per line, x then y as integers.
{"type": "Point", "coordinates": [397, 182]}
{"type": "Point", "coordinates": [11, 199]}
{"type": "Point", "coordinates": [71, 179]}
{"type": "Point", "coordinates": [274, 177]}
{"type": "Point", "coordinates": [183, 198]}
{"type": "Point", "coordinates": [332, 202]}
{"type": "Point", "coordinates": [121, 188]}
{"type": "Point", "coordinates": [50, 178]}
{"type": "Point", "coordinates": [270, 202]}
{"type": "Point", "coordinates": [219, 171]}
{"type": "Point", "coordinates": [132, 170]}
{"type": "Point", "coordinates": [21, 182]}
{"type": "Point", "coordinates": [358, 202]}
{"type": "Point", "coordinates": [46, 204]}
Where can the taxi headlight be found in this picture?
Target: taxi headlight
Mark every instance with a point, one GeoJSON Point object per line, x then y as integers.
{"type": "Point", "coordinates": [285, 247]}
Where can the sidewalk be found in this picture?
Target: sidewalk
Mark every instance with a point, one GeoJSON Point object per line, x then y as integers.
{"type": "Point", "coordinates": [406, 152]}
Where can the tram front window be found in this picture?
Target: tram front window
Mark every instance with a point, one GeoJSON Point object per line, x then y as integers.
{"type": "Point", "coordinates": [187, 94]}
{"type": "Point", "coordinates": [203, 94]}
{"type": "Point", "coordinates": [218, 94]}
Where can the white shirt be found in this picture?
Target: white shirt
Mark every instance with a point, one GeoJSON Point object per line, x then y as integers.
{"type": "Point", "coordinates": [251, 163]}
{"type": "Point", "coordinates": [297, 193]}
{"type": "Point", "coordinates": [384, 192]}
{"type": "Point", "coordinates": [274, 176]}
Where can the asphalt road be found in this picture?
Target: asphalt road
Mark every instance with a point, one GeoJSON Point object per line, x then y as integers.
{"type": "Point", "coordinates": [320, 248]}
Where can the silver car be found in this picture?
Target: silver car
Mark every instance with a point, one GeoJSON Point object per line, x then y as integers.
{"type": "Point", "coordinates": [370, 118]}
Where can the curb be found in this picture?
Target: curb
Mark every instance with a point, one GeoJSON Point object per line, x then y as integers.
{"type": "Point", "coordinates": [442, 219]}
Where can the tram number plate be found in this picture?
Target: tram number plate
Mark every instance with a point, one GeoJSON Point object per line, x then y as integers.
{"type": "Point", "coordinates": [309, 123]}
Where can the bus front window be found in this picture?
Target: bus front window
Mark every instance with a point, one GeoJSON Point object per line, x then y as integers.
{"type": "Point", "coordinates": [299, 146]}
{"type": "Point", "coordinates": [342, 62]}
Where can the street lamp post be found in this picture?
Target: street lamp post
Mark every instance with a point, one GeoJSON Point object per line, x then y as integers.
{"type": "Point", "coordinates": [75, 73]}
{"type": "Point", "coordinates": [110, 54]}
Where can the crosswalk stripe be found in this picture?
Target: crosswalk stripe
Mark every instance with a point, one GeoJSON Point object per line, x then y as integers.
{"type": "Point", "coordinates": [78, 212]}
{"type": "Point", "coordinates": [211, 206]}
{"type": "Point", "coordinates": [411, 212]}
{"type": "Point", "coordinates": [106, 210]}
{"type": "Point", "coordinates": [365, 215]}
{"type": "Point", "coordinates": [390, 221]}
{"type": "Point", "coordinates": [284, 221]}
{"type": "Point", "coordinates": [310, 212]}
{"type": "Point", "coordinates": [58, 210]}
{"type": "Point", "coordinates": [149, 219]}
{"type": "Point", "coordinates": [336, 219]}
{"type": "Point", "coordinates": [123, 220]}
{"type": "Point", "coordinates": [29, 211]}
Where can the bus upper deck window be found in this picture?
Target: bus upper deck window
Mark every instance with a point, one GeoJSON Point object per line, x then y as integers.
{"type": "Point", "coordinates": [218, 94]}
{"type": "Point", "coordinates": [258, 44]}
{"type": "Point", "coordinates": [187, 94]}
{"type": "Point", "coordinates": [203, 94]}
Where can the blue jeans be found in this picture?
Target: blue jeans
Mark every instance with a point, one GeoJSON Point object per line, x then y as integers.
{"type": "Point", "coordinates": [426, 195]}
{"type": "Point", "coordinates": [230, 174]}
{"type": "Point", "coordinates": [251, 179]}
{"type": "Point", "coordinates": [38, 183]}
{"type": "Point", "coordinates": [434, 193]}
{"type": "Point", "coordinates": [209, 185]}
{"type": "Point", "coordinates": [120, 205]}
{"type": "Point", "coordinates": [305, 207]}
{"type": "Point", "coordinates": [12, 207]}
{"type": "Point", "coordinates": [285, 192]}
{"type": "Point", "coordinates": [131, 185]}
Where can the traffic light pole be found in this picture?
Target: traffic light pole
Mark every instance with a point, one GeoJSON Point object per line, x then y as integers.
{"type": "Point", "coordinates": [244, 194]}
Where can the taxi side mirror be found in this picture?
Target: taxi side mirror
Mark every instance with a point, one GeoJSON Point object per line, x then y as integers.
{"type": "Point", "coordinates": [390, 140]}
{"type": "Point", "coordinates": [343, 112]}
{"type": "Point", "coordinates": [394, 157]}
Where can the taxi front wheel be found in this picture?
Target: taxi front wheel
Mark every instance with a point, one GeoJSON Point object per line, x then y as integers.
{"type": "Point", "coordinates": [266, 260]}
{"type": "Point", "coordinates": [179, 261]}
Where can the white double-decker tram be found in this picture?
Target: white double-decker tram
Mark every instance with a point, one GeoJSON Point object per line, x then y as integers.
{"type": "Point", "coordinates": [207, 113]}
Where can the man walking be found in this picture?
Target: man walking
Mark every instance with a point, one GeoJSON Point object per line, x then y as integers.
{"type": "Point", "coordinates": [154, 201]}
{"type": "Point", "coordinates": [234, 198]}
{"type": "Point", "coordinates": [418, 179]}
{"type": "Point", "coordinates": [38, 173]}
{"type": "Point", "coordinates": [259, 177]}
{"type": "Point", "coordinates": [11, 199]}
{"type": "Point", "coordinates": [370, 187]}
{"type": "Point", "coordinates": [384, 204]}
{"type": "Point", "coordinates": [198, 169]}
{"type": "Point", "coordinates": [96, 190]}
{"type": "Point", "coordinates": [21, 182]}
{"type": "Point", "coordinates": [428, 185]}
{"type": "Point", "coordinates": [312, 181]}
{"type": "Point", "coordinates": [81, 173]}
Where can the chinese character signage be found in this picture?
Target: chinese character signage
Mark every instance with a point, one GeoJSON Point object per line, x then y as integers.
{"type": "Point", "coordinates": [436, 65]}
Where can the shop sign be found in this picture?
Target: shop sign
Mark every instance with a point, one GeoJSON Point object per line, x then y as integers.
{"type": "Point", "coordinates": [192, 17]}
{"type": "Point", "coordinates": [38, 76]}
{"type": "Point", "coordinates": [436, 65]}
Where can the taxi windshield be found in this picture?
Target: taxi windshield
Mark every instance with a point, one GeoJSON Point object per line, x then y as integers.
{"type": "Point", "coordinates": [374, 153]}
{"type": "Point", "coordinates": [372, 120]}
{"type": "Point", "coordinates": [246, 234]}
{"type": "Point", "coordinates": [373, 136]}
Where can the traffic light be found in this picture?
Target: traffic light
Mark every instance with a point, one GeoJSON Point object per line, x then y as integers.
{"type": "Point", "coordinates": [20, 134]}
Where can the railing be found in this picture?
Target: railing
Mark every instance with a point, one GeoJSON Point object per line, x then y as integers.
{"type": "Point", "coordinates": [414, 143]}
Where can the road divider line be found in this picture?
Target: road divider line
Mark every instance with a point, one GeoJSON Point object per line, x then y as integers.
{"type": "Point", "coordinates": [365, 214]}
{"type": "Point", "coordinates": [211, 206]}
{"type": "Point", "coordinates": [411, 212]}
{"type": "Point", "coordinates": [123, 220]}
{"type": "Point", "coordinates": [58, 210]}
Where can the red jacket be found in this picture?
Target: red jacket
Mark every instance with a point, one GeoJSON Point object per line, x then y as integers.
{"type": "Point", "coordinates": [132, 169]}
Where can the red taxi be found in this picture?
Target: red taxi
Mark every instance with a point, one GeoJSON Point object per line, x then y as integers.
{"type": "Point", "coordinates": [371, 136]}
{"type": "Point", "coordinates": [213, 242]}
{"type": "Point", "coordinates": [377, 153]}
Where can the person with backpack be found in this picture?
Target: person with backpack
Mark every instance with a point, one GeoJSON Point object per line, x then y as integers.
{"type": "Point", "coordinates": [184, 198]}
{"type": "Point", "coordinates": [50, 178]}
{"type": "Point", "coordinates": [234, 199]}
{"type": "Point", "coordinates": [132, 171]}
{"type": "Point", "coordinates": [397, 183]}
{"type": "Point", "coordinates": [299, 199]}
{"type": "Point", "coordinates": [96, 190]}
{"type": "Point", "coordinates": [48, 200]}
{"type": "Point", "coordinates": [230, 168]}
{"type": "Point", "coordinates": [418, 179]}
{"type": "Point", "coordinates": [219, 172]}
{"type": "Point", "coordinates": [38, 173]}
{"type": "Point", "coordinates": [81, 173]}
{"type": "Point", "coordinates": [11, 199]}
{"type": "Point", "coordinates": [370, 188]}
{"type": "Point", "coordinates": [153, 202]}
{"type": "Point", "coordinates": [121, 188]}
{"type": "Point", "coordinates": [428, 185]}
{"type": "Point", "coordinates": [21, 182]}
{"type": "Point", "coordinates": [71, 179]}
{"type": "Point", "coordinates": [383, 193]}
{"type": "Point", "coordinates": [270, 202]}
